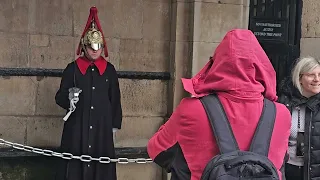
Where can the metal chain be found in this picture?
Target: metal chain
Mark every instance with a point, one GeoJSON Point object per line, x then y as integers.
{"type": "Point", "coordinates": [69, 156]}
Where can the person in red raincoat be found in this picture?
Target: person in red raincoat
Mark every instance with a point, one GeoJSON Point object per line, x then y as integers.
{"type": "Point", "coordinates": [241, 74]}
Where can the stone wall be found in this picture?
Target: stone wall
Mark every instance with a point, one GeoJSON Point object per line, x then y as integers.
{"type": "Point", "coordinates": [212, 20]}
{"type": "Point", "coordinates": [310, 36]}
{"type": "Point", "coordinates": [45, 34]}
{"type": "Point", "coordinates": [175, 36]}
{"type": "Point", "coordinates": [198, 26]}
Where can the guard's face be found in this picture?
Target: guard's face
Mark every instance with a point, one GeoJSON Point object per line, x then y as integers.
{"type": "Point", "coordinates": [311, 82]}
{"type": "Point", "coordinates": [93, 54]}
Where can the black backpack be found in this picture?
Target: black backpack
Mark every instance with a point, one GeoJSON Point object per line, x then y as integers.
{"type": "Point", "coordinates": [231, 163]}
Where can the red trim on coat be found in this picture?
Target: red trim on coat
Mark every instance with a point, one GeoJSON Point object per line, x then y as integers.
{"type": "Point", "coordinates": [83, 64]}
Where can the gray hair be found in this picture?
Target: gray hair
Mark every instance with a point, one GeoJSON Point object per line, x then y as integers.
{"type": "Point", "coordinates": [303, 65]}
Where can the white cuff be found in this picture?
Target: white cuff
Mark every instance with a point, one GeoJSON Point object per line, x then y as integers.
{"type": "Point", "coordinates": [115, 130]}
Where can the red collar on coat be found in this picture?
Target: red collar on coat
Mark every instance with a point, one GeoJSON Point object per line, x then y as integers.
{"type": "Point", "coordinates": [83, 64]}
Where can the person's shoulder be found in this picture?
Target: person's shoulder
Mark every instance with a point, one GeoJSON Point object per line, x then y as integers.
{"type": "Point", "coordinates": [111, 68]}
{"type": "Point", "coordinates": [190, 106]}
{"type": "Point", "coordinates": [70, 67]}
{"type": "Point", "coordinates": [281, 107]}
{"type": "Point", "coordinates": [283, 112]}
{"type": "Point", "coordinates": [110, 65]}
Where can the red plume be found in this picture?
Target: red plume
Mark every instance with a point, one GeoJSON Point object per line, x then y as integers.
{"type": "Point", "coordinates": [93, 16]}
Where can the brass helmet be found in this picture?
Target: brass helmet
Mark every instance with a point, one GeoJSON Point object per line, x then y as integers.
{"type": "Point", "coordinates": [93, 38]}
{"type": "Point", "coordinates": [92, 35]}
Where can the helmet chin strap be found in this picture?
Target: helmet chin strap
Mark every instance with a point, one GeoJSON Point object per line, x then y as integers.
{"type": "Point", "coordinates": [86, 52]}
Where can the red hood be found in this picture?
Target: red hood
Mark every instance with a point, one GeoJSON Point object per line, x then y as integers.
{"type": "Point", "coordinates": [239, 67]}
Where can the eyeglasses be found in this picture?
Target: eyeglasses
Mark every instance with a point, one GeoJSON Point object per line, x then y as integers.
{"type": "Point", "coordinates": [311, 76]}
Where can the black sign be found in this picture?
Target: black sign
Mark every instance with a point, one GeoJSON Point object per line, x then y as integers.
{"type": "Point", "coordinates": [275, 30]}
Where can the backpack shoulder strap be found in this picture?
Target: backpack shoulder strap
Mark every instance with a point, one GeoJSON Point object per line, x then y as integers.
{"type": "Point", "coordinates": [261, 140]}
{"type": "Point", "coordinates": [220, 124]}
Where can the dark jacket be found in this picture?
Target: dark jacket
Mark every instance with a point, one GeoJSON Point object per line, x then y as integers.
{"type": "Point", "coordinates": [291, 97]}
{"type": "Point", "coordinates": [88, 131]}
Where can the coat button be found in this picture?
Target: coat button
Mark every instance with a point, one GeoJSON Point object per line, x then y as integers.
{"type": "Point", "coordinates": [89, 146]}
{"type": "Point", "coordinates": [90, 127]}
{"type": "Point", "coordinates": [92, 107]}
{"type": "Point", "coordinates": [312, 127]}
{"type": "Point", "coordinates": [311, 147]}
{"type": "Point", "coordinates": [93, 88]}
{"type": "Point", "coordinates": [88, 165]}
{"type": "Point", "coordinates": [287, 104]}
{"type": "Point", "coordinates": [92, 69]}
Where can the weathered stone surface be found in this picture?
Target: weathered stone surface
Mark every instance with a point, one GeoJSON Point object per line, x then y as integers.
{"type": "Point", "coordinates": [310, 19]}
{"type": "Point", "coordinates": [14, 50]}
{"type": "Point", "coordinates": [114, 51]}
{"type": "Point", "coordinates": [156, 21]}
{"type": "Point", "coordinates": [105, 13]}
{"type": "Point", "coordinates": [136, 131]}
{"type": "Point", "coordinates": [28, 168]}
{"type": "Point", "coordinates": [138, 97]}
{"type": "Point", "coordinates": [181, 66]}
{"type": "Point", "coordinates": [162, 1]}
{"type": "Point", "coordinates": [14, 16]}
{"type": "Point", "coordinates": [201, 53]}
{"type": "Point", "coordinates": [57, 55]}
{"type": "Point", "coordinates": [44, 131]}
{"type": "Point", "coordinates": [114, 59]}
{"type": "Point", "coordinates": [39, 40]}
{"type": "Point", "coordinates": [46, 92]}
{"type": "Point", "coordinates": [144, 55]}
{"type": "Point", "coordinates": [121, 19]}
{"type": "Point", "coordinates": [144, 97]}
{"type": "Point", "coordinates": [12, 170]}
{"type": "Point", "coordinates": [50, 17]}
{"type": "Point", "coordinates": [181, 21]}
{"type": "Point", "coordinates": [237, 2]}
{"type": "Point", "coordinates": [139, 172]}
{"type": "Point", "coordinates": [308, 45]}
{"type": "Point", "coordinates": [216, 20]}
{"type": "Point", "coordinates": [13, 129]}
{"type": "Point", "coordinates": [17, 95]}
{"type": "Point", "coordinates": [182, 56]}
{"type": "Point", "coordinates": [113, 44]}
{"type": "Point", "coordinates": [245, 17]}
{"type": "Point", "coordinates": [246, 2]}
{"type": "Point", "coordinates": [45, 168]}
{"type": "Point", "coordinates": [128, 19]}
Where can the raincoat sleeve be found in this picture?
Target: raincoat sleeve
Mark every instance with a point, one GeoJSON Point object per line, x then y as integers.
{"type": "Point", "coordinates": [115, 99]}
{"type": "Point", "coordinates": [163, 146]}
{"type": "Point", "coordinates": [66, 82]}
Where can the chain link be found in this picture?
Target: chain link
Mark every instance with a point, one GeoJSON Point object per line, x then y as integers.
{"type": "Point", "coordinates": [69, 156]}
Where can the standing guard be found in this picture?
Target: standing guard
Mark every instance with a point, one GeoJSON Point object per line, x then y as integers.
{"type": "Point", "coordinates": [89, 90]}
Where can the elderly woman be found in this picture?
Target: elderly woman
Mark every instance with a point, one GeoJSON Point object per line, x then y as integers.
{"type": "Point", "coordinates": [300, 94]}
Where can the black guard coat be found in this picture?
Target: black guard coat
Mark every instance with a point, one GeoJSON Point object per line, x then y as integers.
{"type": "Point", "coordinates": [89, 129]}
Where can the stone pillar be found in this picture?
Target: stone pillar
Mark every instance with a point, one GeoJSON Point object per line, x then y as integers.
{"type": "Point", "coordinates": [180, 49]}
{"type": "Point", "coordinates": [212, 19]}
{"type": "Point", "coordinates": [197, 27]}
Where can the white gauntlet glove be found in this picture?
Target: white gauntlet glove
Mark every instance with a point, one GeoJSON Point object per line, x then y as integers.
{"type": "Point", "coordinates": [73, 98]}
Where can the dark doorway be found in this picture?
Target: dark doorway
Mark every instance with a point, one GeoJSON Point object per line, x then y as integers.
{"type": "Point", "coordinates": [277, 26]}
